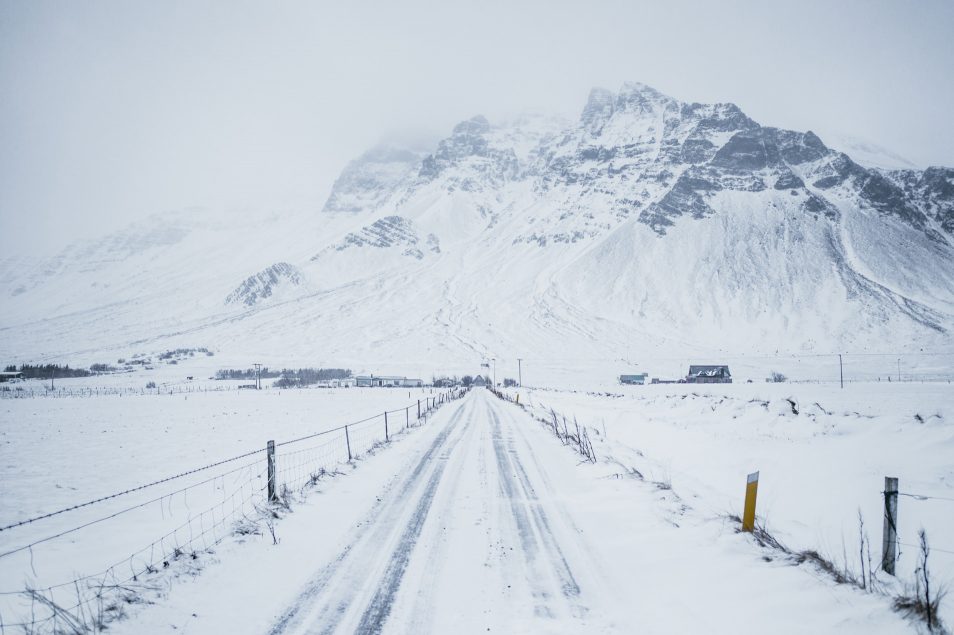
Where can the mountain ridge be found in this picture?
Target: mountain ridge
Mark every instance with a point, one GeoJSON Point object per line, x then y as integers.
{"type": "Point", "coordinates": [690, 224]}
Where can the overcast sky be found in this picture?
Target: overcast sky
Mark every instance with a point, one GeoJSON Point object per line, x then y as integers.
{"type": "Point", "coordinates": [110, 111]}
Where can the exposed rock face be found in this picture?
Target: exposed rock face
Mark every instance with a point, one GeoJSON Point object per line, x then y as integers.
{"type": "Point", "coordinates": [931, 191]}
{"type": "Point", "coordinates": [263, 284]}
{"type": "Point", "coordinates": [367, 181]}
{"type": "Point", "coordinates": [641, 157]}
{"type": "Point", "coordinates": [391, 231]}
{"type": "Point", "coordinates": [469, 143]}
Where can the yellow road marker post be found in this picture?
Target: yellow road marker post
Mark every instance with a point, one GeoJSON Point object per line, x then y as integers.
{"type": "Point", "coordinates": [751, 489]}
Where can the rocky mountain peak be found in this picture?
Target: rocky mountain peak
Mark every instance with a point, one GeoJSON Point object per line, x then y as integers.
{"type": "Point", "coordinates": [475, 126]}
{"type": "Point", "coordinates": [640, 97]}
{"type": "Point", "coordinates": [599, 108]}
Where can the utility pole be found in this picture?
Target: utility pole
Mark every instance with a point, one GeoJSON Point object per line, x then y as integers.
{"type": "Point", "coordinates": [258, 377]}
{"type": "Point", "coordinates": [520, 371]}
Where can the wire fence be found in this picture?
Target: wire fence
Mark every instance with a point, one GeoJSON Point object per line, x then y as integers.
{"type": "Point", "coordinates": [185, 516]}
{"type": "Point", "coordinates": [10, 390]}
{"type": "Point", "coordinates": [571, 433]}
{"type": "Point", "coordinates": [947, 550]}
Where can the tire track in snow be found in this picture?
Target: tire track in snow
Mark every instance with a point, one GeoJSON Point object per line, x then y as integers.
{"type": "Point", "coordinates": [534, 529]}
{"type": "Point", "coordinates": [420, 617]}
{"type": "Point", "coordinates": [375, 528]}
{"type": "Point", "coordinates": [375, 615]}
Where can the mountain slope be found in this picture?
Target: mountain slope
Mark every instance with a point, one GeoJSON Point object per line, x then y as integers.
{"type": "Point", "coordinates": [647, 227]}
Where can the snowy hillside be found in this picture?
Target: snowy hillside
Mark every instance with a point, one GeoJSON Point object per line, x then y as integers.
{"type": "Point", "coordinates": [647, 227]}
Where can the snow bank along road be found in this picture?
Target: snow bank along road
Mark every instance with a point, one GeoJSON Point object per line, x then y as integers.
{"type": "Point", "coordinates": [482, 522]}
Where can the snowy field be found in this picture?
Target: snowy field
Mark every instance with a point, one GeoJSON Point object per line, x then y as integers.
{"type": "Point", "coordinates": [477, 519]}
{"type": "Point", "coordinates": [819, 468]}
{"type": "Point", "coordinates": [63, 451]}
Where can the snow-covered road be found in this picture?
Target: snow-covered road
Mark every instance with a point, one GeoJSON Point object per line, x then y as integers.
{"type": "Point", "coordinates": [470, 537]}
{"type": "Point", "coordinates": [482, 521]}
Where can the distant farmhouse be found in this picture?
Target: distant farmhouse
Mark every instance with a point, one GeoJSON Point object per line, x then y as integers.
{"type": "Point", "coordinates": [479, 381]}
{"type": "Point", "coordinates": [387, 382]}
{"type": "Point", "coordinates": [709, 375]}
{"type": "Point", "coordinates": [11, 376]}
{"type": "Point", "coordinates": [635, 380]}
{"type": "Point", "coordinates": [345, 382]}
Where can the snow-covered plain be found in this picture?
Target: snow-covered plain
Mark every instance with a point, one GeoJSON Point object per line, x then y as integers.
{"type": "Point", "coordinates": [819, 468]}
{"type": "Point", "coordinates": [480, 519]}
{"type": "Point", "coordinates": [63, 451]}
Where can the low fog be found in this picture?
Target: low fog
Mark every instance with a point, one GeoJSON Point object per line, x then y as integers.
{"type": "Point", "coordinates": [115, 110]}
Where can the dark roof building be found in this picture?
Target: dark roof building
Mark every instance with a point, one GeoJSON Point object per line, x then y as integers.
{"type": "Point", "coordinates": [709, 375]}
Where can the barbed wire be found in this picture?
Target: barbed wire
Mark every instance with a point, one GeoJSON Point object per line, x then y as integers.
{"type": "Point", "coordinates": [924, 497]}
{"type": "Point", "coordinates": [945, 551]}
{"type": "Point", "coordinates": [203, 535]}
{"type": "Point", "coordinates": [130, 490]}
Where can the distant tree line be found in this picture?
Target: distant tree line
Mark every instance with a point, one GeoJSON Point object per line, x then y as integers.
{"type": "Point", "coordinates": [291, 378]}
{"type": "Point", "coordinates": [44, 371]}
{"type": "Point", "coordinates": [248, 373]}
{"type": "Point", "coordinates": [185, 352]}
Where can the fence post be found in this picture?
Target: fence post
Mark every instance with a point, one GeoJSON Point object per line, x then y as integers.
{"type": "Point", "coordinates": [418, 409]}
{"type": "Point", "coordinates": [407, 417]}
{"type": "Point", "coordinates": [272, 494]}
{"type": "Point", "coordinates": [386, 437]}
{"type": "Point", "coordinates": [348, 442]}
{"type": "Point", "coordinates": [751, 490]}
{"type": "Point", "coordinates": [890, 538]}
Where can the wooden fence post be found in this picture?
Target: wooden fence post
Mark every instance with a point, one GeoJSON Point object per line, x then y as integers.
{"type": "Point", "coordinates": [386, 437]}
{"type": "Point", "coordinates": [890, 538]}
{"type": "Point", "coordinates": [751, 490]}
{"type": "Point", "coordinates": [272, 494]}
{"type": "Point", "coordinates": [418, 409]}
{"type": "Point", "coordinates": [348, 442]}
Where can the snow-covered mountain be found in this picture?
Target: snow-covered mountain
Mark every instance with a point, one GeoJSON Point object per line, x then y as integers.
{"type": "Point", "coordinates": [648, 226]}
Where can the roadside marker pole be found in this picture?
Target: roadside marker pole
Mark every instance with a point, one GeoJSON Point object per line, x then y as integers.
{"type": "Point", "coordinates": [751, 489]}
{"type": "Point", "coordinates": [889, 544]}
{"type": "Point", "coordinates": [272, 495]}
{"type": "Point", "coordinates": [407, 417]}
{"type": "Point", "coordinates": [386, 438]}
{"type": "Point", "coordinates": [418, 409]}
{"type": "Point", "coordinates": [348, 442]}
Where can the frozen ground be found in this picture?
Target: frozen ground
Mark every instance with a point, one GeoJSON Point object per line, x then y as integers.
{"type": "Point", "coordinates": [819, 468]}
{"type": "Point", "coordinates": [60, 452]}
{"type": "Point", "coordinates": [481, 520]}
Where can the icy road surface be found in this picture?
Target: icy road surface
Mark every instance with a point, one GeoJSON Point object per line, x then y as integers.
{"type": "Point", "coordinates": [482, 521]}
{"type": "Point", "coordinates": [472, 524]}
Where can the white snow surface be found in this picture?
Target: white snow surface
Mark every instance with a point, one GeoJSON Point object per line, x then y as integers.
{"type": "Point", "coordinates": [482, 519]}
